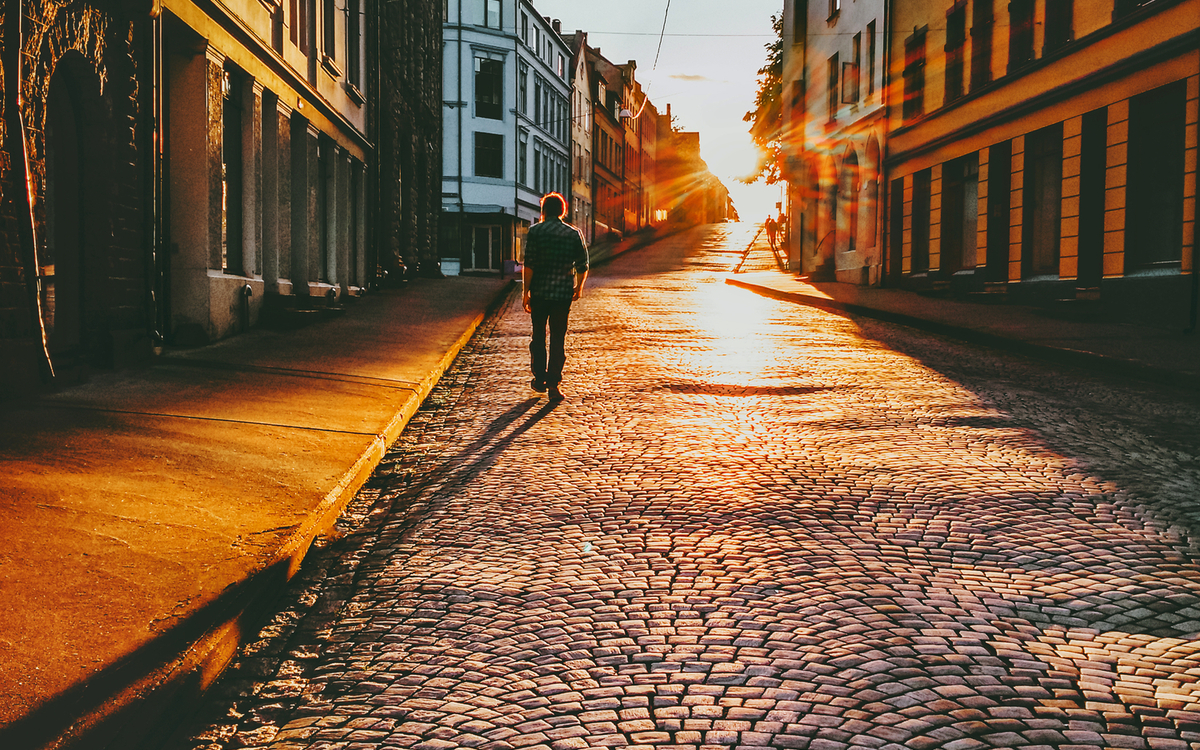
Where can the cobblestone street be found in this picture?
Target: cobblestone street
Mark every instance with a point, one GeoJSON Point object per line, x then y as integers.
{"type": "Point", "coordinates": [751, 524]}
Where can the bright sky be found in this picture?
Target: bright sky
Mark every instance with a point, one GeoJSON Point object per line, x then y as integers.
{"type": "Point", "coordinates": [707, 71]}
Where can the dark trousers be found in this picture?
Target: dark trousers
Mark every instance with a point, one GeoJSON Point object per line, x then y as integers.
{"type": "Point", "coordinates": [554, 313]}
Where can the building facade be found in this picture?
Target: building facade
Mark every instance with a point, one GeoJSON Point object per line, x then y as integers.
{"type": "Point", "coordinates": [582, 117]}
{"type": "Point", "coordinates": [608, 147]}
{"type": "Point", "coordinates": [507, 128]}
{"type": "Point", "coordinates": [1046, 150]}
{"type": "Point", "coordinates": [834, 119]}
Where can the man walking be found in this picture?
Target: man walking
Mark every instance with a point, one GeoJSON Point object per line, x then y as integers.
{"type": "Point", "coordinates": [555, 267]}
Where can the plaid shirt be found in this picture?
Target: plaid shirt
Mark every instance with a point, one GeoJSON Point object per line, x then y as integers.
{"type": "Point", "coordinates": [554, 252]}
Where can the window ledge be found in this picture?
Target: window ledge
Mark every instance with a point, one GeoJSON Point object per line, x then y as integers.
{"type": "Point", "coordinates": [330, 66]}
{"type": "Point", "coordinates": [355, 95]}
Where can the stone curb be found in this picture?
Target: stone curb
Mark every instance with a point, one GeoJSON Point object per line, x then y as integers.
{"type": "Point", "coordinates": [135, 707]}
{"type": "Point", "coordinates": [1058, 355]}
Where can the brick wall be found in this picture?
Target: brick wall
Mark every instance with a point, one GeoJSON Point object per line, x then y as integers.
{"type": "Point", "coordinates": [90, 53]}
{"type": "Point", "coordinates": [410, 136]}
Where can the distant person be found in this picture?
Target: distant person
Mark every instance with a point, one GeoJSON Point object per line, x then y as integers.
{"type": "Point", "coordinates": [556, 266]}
{"type": "Point", "coordinates": [772, 227]}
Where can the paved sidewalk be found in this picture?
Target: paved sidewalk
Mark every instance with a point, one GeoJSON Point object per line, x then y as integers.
{"type": "Point", "coordinates": [144, 515]}
{"type": "Point", "coordinates": [1157, 354]}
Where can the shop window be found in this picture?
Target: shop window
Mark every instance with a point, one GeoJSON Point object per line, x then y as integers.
{"type": "Point", "coordinates": [982, 23]}
{"type": "Point", "coordinates": [489, 89]}
{"type": "Point", "coordinates": [914, 75]}
{"type": "Point", "coordinates": [1043, 202]}
{"type": "Point", "coordinates": [1155, 188]}
{"type": "Point", "coordinates": [1020, 34]}
{"type": "Point", "coordinates": [956, 40]}
{"type": "Point", "coordinates": [489, 155]}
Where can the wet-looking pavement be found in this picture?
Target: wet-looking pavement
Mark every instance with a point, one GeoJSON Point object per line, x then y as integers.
{"type": "Point", "coordinates": [751, 524]}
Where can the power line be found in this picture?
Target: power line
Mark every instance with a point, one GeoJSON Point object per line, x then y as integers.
{"type": "Point", "coordinates": [661, 35]}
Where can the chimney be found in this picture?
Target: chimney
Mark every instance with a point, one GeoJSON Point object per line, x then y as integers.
{"type": "Point", "coordinates": [557, 27]}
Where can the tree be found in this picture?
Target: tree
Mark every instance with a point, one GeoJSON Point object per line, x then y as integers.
{"type": "Point", "coordinates": [766, 119]}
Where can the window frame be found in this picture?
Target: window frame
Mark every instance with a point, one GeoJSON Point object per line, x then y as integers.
{"type": "Point", "coordinates": [484, 108]}
{"type": "Point", "coordinates": [493, 150]}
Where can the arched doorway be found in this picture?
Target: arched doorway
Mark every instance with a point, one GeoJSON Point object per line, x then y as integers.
{"type": "Point", "coordinates": [73, 233]}
{"type": "Point", "coordinates": [62, 250]}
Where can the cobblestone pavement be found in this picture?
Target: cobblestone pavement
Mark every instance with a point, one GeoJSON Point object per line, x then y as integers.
{"type": "Point", "coordinates": [752, 525]}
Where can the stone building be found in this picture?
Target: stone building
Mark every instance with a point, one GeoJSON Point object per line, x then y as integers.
{"type": "Point", "coordinates": [194, 167]}
{"type": "Point", "coordinates": [74, 271]}
{"type": "Point", "coordinates": [1047, 151]}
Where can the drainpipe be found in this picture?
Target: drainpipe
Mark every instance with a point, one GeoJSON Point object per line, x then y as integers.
{"type": "Point", "coordinates": [18, 149]}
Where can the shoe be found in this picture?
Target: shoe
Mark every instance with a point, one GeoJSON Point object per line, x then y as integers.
{"type": "Point", "coordinates": [555, 393]}
{"type": "Point", "coordinates": [538, 385]}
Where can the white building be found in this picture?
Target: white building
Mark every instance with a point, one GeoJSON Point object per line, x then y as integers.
{"type": "Point", "coordinates": [835, 124]}
{"type": "Point", "coordinates": [507, 116]}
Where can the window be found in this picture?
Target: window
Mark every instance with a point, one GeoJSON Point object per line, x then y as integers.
{"type": "Point", "coordinates": [914, 75]}
{"type": "Point", "coordinates": [981, 44]}
{"type": "Point", "coordinates": [1125, 7]}
{"type": "Point", "coordinates": [232, 88]}
{"type": "Point", "coordinates": [1154, 195]}
{"type": "Point", "coordinates": [1020, 34]}
{"type": "Point", "coordinates": [491, 14]}
{"type": "Point", "coordinates": [871, 58]}
{"type": "Point", "coordinates": [523, 157]}
{"type": "Point", "coordinates": [1060, 19]}
{"type": "Point", "coordinates": [835, 7]}
{"type": "Point", "coordinates": [525, 28]}
{"type": "Point", "coordinates": [562, 67]}
{"type": "Point", "coordinates": [489, 155]}
{"type": "Point", "coordinates": [956, 39]}
{"type": "Point", "coordinates": [523, 88]}
{"type": "Point", "coordinates": [850, 74]}
{"type": "Point", "coordinates": [329, 29]}
{"type": "Point", "coordinates": [299, 17]}
{"type": "Point", "coordinates": [489, 89]}
{"type": "Point", "coordinates": [354, 42]}
{"type": "Point", "coordinates": [832, 91]}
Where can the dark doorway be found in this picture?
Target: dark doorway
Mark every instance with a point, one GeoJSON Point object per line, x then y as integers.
{"type": "Point", "coordinates": [62, 256]}
{"type": "Point", "coordinates": [896, 230]}
{"type": "Point", "coordinates": [1091, 198]}
{"type": "Point", "coordinates": [1154, 196]}
{"type": "Point", "coordinates": [1043, 202]}
{"type": "Point", "coordinates": [922, 184]}
{"type": "Point", "coordinates": [960, 213]}
{"type": "Point", "coordinates": [999, 203]}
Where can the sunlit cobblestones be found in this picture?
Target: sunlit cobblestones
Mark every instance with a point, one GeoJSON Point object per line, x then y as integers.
{"type": "Point", "coordinates": [751, 525]}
